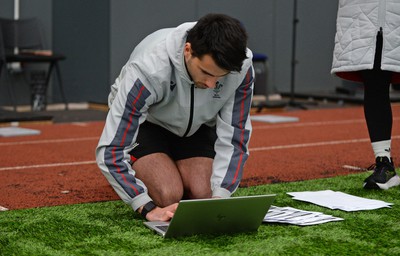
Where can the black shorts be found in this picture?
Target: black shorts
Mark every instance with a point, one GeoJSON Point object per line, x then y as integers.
{"type": "Point", "coordinates": [155, 139]}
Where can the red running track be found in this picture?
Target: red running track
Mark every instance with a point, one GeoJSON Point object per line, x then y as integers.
{"type": "Point", "coordinates": [58, 166]}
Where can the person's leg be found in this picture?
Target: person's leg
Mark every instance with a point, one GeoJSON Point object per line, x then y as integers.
{"type": "Point", "coordinates": [377, 110]}
{"type": "Point", "coordinates": [194, 157]}
{"type": "Point", "coordinates": [378, 115]}
{"type": "Point", "coordinates": [196, 176]}
{"type": "Point", "coordinates": [154, 166]}
{"type": "Point", "coordinates": [161, 177]}
{"type": "Point", "coordinates": [172, 167]}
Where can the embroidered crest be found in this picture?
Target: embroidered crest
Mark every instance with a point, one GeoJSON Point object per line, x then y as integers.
{"type": "Point", "coordinates": [217, 90]}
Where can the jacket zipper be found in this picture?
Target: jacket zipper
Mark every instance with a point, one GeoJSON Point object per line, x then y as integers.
{"type": "Point", "coordinates": [191, 110]}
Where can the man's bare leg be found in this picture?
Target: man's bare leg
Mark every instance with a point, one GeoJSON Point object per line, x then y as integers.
{"type": "Point", "coordinates": [196, 175]}
{"type": "Point", "coordinates": [162, 178]}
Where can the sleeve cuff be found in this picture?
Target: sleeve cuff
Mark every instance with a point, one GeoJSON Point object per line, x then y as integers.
{"type": "Point", "coordinates": [221, 192]}
{"type": "Point", "coordinates": [140, 200]}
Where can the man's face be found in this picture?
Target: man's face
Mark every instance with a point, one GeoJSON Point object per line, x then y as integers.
{"type": "Point", "coordinates": [204, 71]}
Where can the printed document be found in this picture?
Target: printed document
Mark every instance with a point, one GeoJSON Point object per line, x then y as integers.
{"type": "Point", "coordinates": [339, 201]}
{"type": "Point", "coordinates": [293, 216]}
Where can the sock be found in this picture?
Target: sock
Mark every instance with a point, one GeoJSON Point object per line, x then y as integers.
{"type": "Point", "coordinates": [381, 148]}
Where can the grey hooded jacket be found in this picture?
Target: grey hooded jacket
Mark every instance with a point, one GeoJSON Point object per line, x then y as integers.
{"type": "Point", "coordinates": [154, 85]}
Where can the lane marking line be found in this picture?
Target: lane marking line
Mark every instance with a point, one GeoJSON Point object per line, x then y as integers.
{"type": "Point", "coordinates": [351, 167]}
{"type": "Point", "coordinates": [302, 145]}
{"type": "Point", "coordinates": [350, 121]}
{"type": "Point", "coordinates": [46, 165]}
{"type": "Point", "coordinates": [82, 124]}
{"type": "Point", "coordinates": [314, 144]}
{"type": "Point", "coordinates": [47, 141]}
{"type": "Point", "coordinates": [254, 128]}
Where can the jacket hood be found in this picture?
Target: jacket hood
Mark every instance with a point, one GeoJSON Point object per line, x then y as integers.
{"type": "Point", "coordinates": [175, 43]}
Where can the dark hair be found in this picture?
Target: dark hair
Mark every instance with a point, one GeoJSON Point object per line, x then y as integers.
{"type": "Point", "coordinates": [221, 36]}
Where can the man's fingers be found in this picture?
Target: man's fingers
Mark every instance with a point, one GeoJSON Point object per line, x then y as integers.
{"type": "Point", "coordinates": [169, 214]}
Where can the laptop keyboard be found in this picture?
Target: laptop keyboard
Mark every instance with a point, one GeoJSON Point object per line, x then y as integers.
{"type": "Point", "coordinates": [163, 227]}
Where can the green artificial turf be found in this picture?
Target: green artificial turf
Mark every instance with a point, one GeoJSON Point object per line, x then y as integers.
{"type": "Point", "coordinates": [112, 228]}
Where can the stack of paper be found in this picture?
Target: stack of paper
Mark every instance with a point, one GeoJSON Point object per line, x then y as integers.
{"type": "Point", "coordinates": [339, 200]}
{"type": "Point", "coordinates": [298, 217]}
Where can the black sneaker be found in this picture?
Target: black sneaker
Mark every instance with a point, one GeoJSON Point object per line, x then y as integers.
{"type": "Point", "coordinates": [384, 176]}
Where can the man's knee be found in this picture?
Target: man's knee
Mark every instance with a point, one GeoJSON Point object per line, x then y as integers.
{"type": "Point", "coordinates": [167, 195]}
{"type": "Point", "coordinates": [197, 192]}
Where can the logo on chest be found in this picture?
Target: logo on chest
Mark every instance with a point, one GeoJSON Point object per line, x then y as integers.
{"type": "Point", "coordinates": [217, 90]}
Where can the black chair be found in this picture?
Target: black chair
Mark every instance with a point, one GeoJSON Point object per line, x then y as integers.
{"type": "Point", "coordinates": [23, 43]}
{"type": "Point", "coordinates": [4, 71]}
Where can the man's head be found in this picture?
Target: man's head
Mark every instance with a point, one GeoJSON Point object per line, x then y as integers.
{"type": "Point", "coordinates": [217, 46]}
{"type": "Point", "coordinates": [221, 36]}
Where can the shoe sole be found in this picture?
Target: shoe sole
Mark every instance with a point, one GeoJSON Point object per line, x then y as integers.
{"type": "Point", "coordinates": [394, 181]}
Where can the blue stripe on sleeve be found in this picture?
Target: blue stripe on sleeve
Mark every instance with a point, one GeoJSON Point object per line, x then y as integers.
{"type": "Point", "coordinates": [127, 128]}
{"type": "Point", "coordinates": [241, 136]}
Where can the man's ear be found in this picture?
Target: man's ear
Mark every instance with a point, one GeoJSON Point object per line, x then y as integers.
{"type": "Point", "coordinates": [187, 51]}
{"type": "Point", "coordinates": [188, 46]}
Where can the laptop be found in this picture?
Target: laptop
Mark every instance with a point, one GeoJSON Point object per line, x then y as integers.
{"type": "Point", "coordinates": [215, 216]}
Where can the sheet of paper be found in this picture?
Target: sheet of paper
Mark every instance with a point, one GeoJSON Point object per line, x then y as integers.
{"type": "Point", "coordinates": [17, 131]}
{"type": "Point", "coordinates": [274, 118]}
{"type": "Point", "coordinates": [293, 216]}
{"type": "Point", "coordinates": [339, 200]}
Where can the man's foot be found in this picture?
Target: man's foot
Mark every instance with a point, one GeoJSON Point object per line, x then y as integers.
{"type": "Point", "coordinates": [384, 175]}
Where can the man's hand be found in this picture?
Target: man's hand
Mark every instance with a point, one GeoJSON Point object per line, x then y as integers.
{"type": "Point", "coordinates": [162, 214]}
